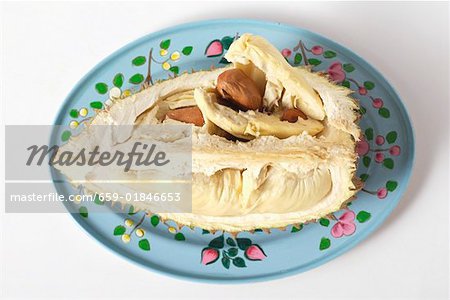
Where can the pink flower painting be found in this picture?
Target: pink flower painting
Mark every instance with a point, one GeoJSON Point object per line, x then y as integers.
{"type": "Point", "coordinates": [345, 225]}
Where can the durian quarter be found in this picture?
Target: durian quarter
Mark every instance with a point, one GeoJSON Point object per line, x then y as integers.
{"type": "Point", "coordinates": [251, 169]}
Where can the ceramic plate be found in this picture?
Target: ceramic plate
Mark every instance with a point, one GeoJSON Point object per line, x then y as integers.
{"type": "Point", "coordinates": [386, 157]}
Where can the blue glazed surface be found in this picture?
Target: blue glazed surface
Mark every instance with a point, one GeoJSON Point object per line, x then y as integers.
{"type": "Point", "coordinates": [287, 252]}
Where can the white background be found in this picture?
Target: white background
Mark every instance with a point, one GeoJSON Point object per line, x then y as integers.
{"type": "Point", "coordinates": [47, 47]}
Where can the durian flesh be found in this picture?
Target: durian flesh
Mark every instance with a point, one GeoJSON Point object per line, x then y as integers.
{"type": "Point", "coordinates": [276, 173]}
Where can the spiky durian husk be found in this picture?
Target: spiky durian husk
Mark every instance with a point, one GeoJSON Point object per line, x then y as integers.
{"type": "Point", "coordinates": [342, 131]}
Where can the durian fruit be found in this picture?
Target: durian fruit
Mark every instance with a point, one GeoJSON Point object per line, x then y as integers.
{"type": "Point", "coordinates": [250, 168]}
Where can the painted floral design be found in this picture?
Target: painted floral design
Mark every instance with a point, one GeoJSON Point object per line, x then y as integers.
{"type": "Point", "coordinates": [345, 225]}
{"type": "Point", "coordinates": [125, 231]}
{"type": "Point", "coordinates": [255, 252]}
{"type": "Point", "coordinates": [167, 60]}
{"type": "Point", "coordinates": [336, 72]}
{"type": "Point", "coordinates": [230, 251]}
{"type": "Point", "coordinates": [286, 52]}
{"type": "Point", "coordinates": [177, 234]}
{"type": "Point", "coordinates": [382, 155]}
{"type": "Point", "coordinates": [339, 71]}
{"type": "Point", "coordinates": [382, 192]}
{"type": "Point", "coordinates": [317, 50]}
{"type": "Point", "coordinates": [209, 256]}
{"type": "Point", "coordinates": [218, 47]}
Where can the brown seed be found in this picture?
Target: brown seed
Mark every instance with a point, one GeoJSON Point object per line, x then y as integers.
{"type": "Point", "coordinates": [191, 115]}
{"type": "Point", "coordinates": [234, 85]}
{"type": "Point", "coordinates": [291, 115]}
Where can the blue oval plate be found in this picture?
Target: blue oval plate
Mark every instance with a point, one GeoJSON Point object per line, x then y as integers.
{"type": "Point", "coordinates": [386, 152]}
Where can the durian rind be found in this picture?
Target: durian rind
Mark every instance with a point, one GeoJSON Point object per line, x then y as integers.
{"type": "Point", "coordinates": [333, 148]}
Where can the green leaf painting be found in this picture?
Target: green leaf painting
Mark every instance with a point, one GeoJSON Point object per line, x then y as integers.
{"type": "Point", "coordinates": [96, 104]}
{"type": "Point", "coordinates": [101, 88]}
{"type": "Point", "coordinates": [384, 112]}
{"type": "Point", "coordinates": [388, 163]}
{"type": "Point", "coordinates": [144, 244]}
{"type": "Point", "coordinates": [154, 220]}
{"type": "Point", "coordinates": [187, 50]}
{"type": "Point", "coordinates": [118, 80]}
{"type": "Point", "coordinates": [391, 137]}
{"type": "Point", "coordinates": [180, 236]}
{"type": "Point", "coordinates": [139, 61]}
{"type": "Point", "coordinates": [324, 222]}
{"type": "Point", "coordinates": [363, 216]}
{"type": "Point", "coordinates": [391, 185]}
{"type": "Point", "coordinates": [165, 44]}
{"type": "Point", "coordinates": [369, 85]}
{"type": "Point", "coordinates": [217, 243]}
{"type": "Point", "coordinates": [119, 230]}
{"type": "Point", "coordinates": [348, 68]}
{"type": "Point", "coordinates": [329, 54]}
{"type": "Point", "coordinates": [297, 58]}
{"type": "Point", "coordinates": [325, 243]}
{"type": "Point", "coordinates": [369, 134]}
{"type": "Point", "coordinates": [83, 211]}
{"type": "Point", "coordinates": [239, 262]}
{"type": "Point", "coordinates": [314, 61]}
{"type": "Point", "coordinates": [136, 78]}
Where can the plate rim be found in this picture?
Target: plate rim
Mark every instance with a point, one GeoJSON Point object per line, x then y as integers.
{"type": "Point", "coordinates": [408, 169]}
